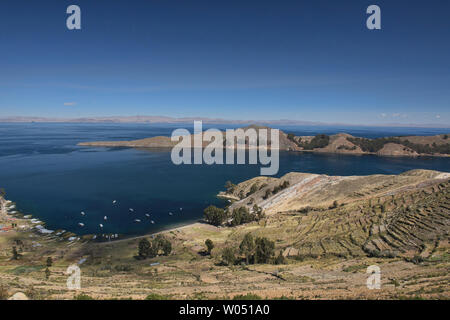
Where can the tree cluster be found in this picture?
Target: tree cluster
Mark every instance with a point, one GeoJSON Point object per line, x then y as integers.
{"type": "Point", "coordinates": [319, 141]}
{"type": "Point", "coordinates": [157, 246]}
{"type": "Point", "coordinates": [254, 251]}
{"type": "Point", "coordinates": [242, 215]}
{"type": "Point", "coordinates": [214, 215]}
{"type": "Point", "coordinates": [375, 145]}
{"type": "Point", "coordinates": [218, 216]}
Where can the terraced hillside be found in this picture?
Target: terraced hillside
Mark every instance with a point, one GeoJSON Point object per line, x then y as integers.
{"type": "Point", "coordinates": [404, 215]}
{"type": "Point", "coordinates": [329, 230]}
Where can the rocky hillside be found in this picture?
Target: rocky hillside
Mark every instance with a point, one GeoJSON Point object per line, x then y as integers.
{"type": "Point", "coordinates": [329, 230]}
{"type": "Point", "coordinates": [339, 143]}
{"type": "Point", "coordinates": [406, 215]}
{"type": "Point", "coordinates": [165, 142]}
{"type": "Point", "coordinates": [438, 145]}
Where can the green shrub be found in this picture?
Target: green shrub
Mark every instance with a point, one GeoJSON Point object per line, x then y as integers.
{"type": "Point", "coordinates": [3, 293]}
{"type": "Point", "coordinates": [319, 141]}
{"type": "Point", "coordinates": [215, 216]}
{"type": "Point", "coordinates": [280, 259]}
{"type": "Point", "coordinates": [247, 248]}
{"type": "Point", "coordinates": [82, 296]}
{"type": "Point", "coordinates": [248, 296]}
{"type": "Point", "coordinates": [158, 246]}
{"type": "Point", "coordinates": [264, 251]}
{"type": "Point", "coordinates": [228, 256]}
{"type": "Point", "coordinates": [156, 296]}
{"type": "Point", "coordinates": [209, 245]}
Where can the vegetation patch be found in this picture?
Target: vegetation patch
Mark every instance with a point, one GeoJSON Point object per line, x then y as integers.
{"type": "Point", "coordinates": [375, 145]}
{"type": "Point", "coordinates": [26, 269]}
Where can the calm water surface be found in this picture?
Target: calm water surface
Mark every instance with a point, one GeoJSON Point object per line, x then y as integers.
{"type": "Point", "coordinates": [50, 177]}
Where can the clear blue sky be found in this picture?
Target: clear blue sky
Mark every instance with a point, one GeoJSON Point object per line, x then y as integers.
{"type": "Point", "coordinates": [304, 60]}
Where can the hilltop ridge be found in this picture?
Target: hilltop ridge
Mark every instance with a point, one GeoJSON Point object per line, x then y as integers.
{"type": "Point", "coordinates": [344, 143]}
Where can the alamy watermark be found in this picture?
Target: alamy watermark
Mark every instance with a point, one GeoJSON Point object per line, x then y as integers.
{"type": "Point", "coordinates": [74, 280]}
{"type": "Point", "coordinates": [374, 280]}
{"type": "Point", "coordinates": [73, 21]}
{"type": "Point", "coordinates": [261, 145]}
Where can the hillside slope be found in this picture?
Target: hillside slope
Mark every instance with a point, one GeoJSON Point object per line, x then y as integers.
{"type": "Point", "coordinates": [330, 229]}
{"type": "Point", "coordinates": [339, 143]}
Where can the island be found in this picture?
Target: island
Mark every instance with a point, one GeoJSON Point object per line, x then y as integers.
{"type": "Point", "coordinates": [342, 143]}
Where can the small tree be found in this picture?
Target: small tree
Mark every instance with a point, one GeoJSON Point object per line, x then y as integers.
{"type": "Point", "coordinates": [253, 189]}
{"type": "Point", "coordinates": [144, 247]}
{"type": "Point", "coordinates": [264, 250]}
{"type": "Point", "coordinates": [166, 247]}
{"type": "Point", "coordinates": [334, 205]}
{"type": "Point", "coordinates": [229, 186]}
{"type": "Point", "coordinates": [228, 256]}
{"type": "Point", "coordinates": [258, 211]}
{"type": "Point", "coordinates": [280, 259]}
{"type": "Point", "coordinates": [49, 262]}
{"type": "Point", "coordinates": [3, 292]}
{"type": "Point", "coordinates": [209, 245]}
{"type": "Point", "coordinates": [214, 215]}
{"type": "Point", "coordinates": [247, 248]}
{"type": "Point", "coordinates": [47, 273]}
{"type": "Point", "coordinates": [241, 215]}
{"type": "Point", "coordinates": [15, 254]}
{"type": "Point", "coordinates": [153, 250]}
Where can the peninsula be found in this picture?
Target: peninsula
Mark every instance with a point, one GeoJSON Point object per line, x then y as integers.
{"type": "Point", "coordinates": [438, 145]}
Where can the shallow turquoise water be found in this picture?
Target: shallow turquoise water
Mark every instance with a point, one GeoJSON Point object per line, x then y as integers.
{"type": "Point", "coordinates": [48, 176]}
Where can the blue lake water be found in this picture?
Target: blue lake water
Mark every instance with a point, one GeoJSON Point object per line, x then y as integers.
{"type": "Point", "coordinates": [50, 177]}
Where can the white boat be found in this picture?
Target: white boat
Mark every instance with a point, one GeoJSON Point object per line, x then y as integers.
{"type": "Point", "coordinates": [181, 209]}
{"type": "Point", "coordinates": [147, 215]}
{"type": "Point", "coordinates": [153, 222]}
{"type": "Point", "coordinates": [131, 210]}
{"type": "Point", "coordinates": [170, 214]}
{"type": "Point", "coordinates": [82, 213]}
{"type": "Point", "coordinates": [101, 226]}
{"type": "Point", "coordinates": [105, 218]}
{"type": "Point", "coordinates": [81, 224]}
{"type": "Point", "coordinates": [137, 220]}
{"type": "Point", "coordinates": [114, 201]}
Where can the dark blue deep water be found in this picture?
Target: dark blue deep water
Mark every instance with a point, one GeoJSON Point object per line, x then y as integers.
{"type": "Point", "coordinates": [50, 177]}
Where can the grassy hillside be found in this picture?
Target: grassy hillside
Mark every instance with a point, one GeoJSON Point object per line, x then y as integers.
{"type": "Point", "coordinates": [329, 230]}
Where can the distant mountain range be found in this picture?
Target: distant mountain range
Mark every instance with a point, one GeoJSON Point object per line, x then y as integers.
{"type": "Point", "coordinates": [164, 119]}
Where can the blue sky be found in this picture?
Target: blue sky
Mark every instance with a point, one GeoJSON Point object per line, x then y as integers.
{"type": "Point", "coordinates": [255, 60]}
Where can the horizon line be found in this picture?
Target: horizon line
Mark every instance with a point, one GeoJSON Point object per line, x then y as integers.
{"type": "Point", "coordinates": [172, 120]}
